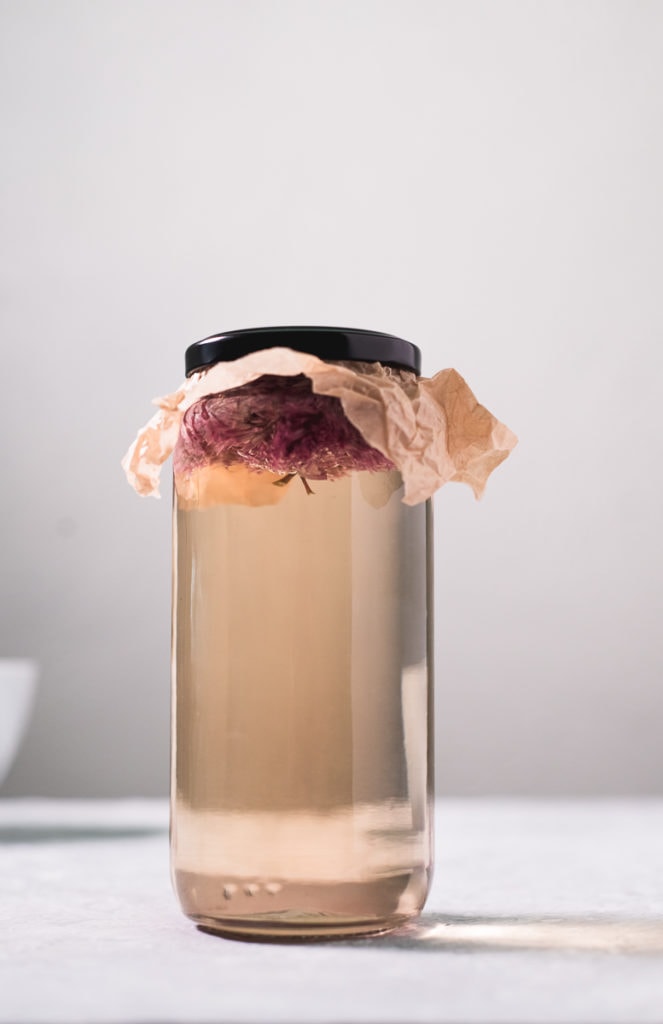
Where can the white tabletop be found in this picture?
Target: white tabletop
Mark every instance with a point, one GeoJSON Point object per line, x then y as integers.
{"type": "Point", "coordinates": [540, 912]}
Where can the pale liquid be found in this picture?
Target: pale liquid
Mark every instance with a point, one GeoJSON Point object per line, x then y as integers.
{"type": "Point", "coordinates": [301, 744]}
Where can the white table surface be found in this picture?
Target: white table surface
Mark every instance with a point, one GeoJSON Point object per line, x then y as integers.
{"type": "Point", "coordinates": [540, 912]}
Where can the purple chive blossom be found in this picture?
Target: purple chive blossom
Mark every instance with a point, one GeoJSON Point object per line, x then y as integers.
{"type": "Point", "coordinates": [277, 424]}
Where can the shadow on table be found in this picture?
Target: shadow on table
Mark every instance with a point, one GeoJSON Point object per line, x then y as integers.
{"type": "Point", "coordinates": [75, 833]}
{"type": "Point", "coordinates": [596, 934]}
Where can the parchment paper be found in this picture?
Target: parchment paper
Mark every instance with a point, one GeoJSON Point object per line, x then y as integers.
{"type": "Point", "coordinates": [432, 429]}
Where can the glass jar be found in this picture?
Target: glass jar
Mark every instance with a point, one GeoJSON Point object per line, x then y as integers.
{"type": "Point", "coordinates": [302, 671]}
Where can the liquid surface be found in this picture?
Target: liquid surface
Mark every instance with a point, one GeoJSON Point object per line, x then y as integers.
{"type": "Point", "coordinates": [301, 751]}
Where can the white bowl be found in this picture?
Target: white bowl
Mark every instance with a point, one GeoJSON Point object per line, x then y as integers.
{"type": "Point", "coordinates": [18, 684]}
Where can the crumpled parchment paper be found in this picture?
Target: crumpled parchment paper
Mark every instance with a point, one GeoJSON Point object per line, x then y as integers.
{"type": "Point", "coordinates": [432, 429]}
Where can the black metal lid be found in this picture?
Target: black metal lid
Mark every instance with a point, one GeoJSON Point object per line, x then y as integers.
{"type": "Point", "coordinates": [332, 343]}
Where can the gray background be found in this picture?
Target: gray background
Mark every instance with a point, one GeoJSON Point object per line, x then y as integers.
{"type": "Point", "coordinates": [481, 178]}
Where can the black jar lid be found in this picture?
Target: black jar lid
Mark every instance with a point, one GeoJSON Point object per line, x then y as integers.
{"type": "Point", "coordinates": [331, 343]}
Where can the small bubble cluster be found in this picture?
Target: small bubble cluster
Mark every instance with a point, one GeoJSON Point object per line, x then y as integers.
{"type": "Point", "coordinates": [251, 889]}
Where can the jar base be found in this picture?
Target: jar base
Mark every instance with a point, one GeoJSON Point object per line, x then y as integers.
{"type": "Point", "coordinates": [295, 931]}
{"type": "Point", "coordinates": [282, 909]}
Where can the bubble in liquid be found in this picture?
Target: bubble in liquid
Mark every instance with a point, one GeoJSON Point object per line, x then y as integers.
{"type": "Point", "coordinates": [273, 888]}
{"type": "Point", "coordinates": [229, 891]}
{"type": "Point", "coordinates": [251, 889]}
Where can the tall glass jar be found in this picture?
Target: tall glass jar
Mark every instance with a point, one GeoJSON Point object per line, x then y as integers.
{"type": "Point", "coordinates": [302, 673]}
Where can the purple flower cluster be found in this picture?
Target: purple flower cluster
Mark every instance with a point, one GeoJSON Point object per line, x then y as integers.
{"type": "Point", "coordinates": [276, 424]}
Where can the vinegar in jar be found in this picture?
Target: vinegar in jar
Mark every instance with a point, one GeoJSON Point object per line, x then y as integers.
{"type": "Point", "coordinates": [302, 703]}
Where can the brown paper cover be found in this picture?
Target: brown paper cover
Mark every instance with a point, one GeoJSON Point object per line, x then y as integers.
{"type": "Point", "coordinates": [432, 429]}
